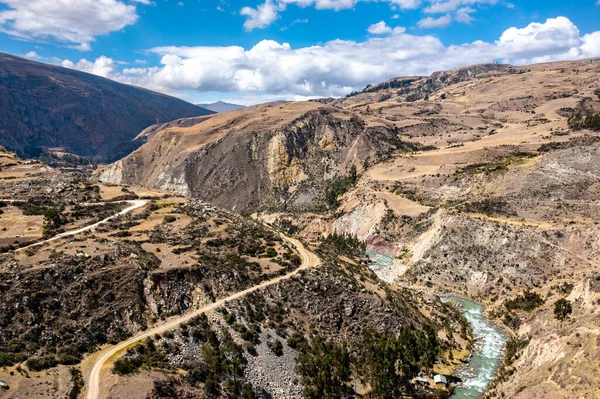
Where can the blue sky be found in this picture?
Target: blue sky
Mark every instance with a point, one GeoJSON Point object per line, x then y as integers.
{"type": "Point", "coordinates": [252, 51]}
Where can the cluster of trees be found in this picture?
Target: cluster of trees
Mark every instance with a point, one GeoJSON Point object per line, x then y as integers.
{"type": "Point", "coordinates": [488, 206]}
{"type": "Point", "coordinates": [145, 354]}
{"type": "Point", "coordinates": [222, 366]}
{"type": "Point", "coordinates": [579, 122]}
{"type": "Point", "coordinates": [385, 364]}
{"type": "Point", "coordinates": [340, 186]}
{"type": "Point", "coordinates": [345, 244]}
{"type": "Point", "coordinates": [528, 302]}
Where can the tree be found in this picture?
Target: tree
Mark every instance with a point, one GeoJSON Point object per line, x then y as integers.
{"type": "Point", "coordinates": [353, 174]}
{"type": "Point", "coordinates": [324, 368]}
{"type": "Point", "coordinates": [562, 309]}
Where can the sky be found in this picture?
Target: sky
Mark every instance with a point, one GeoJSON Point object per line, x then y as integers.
{"type": "Point", "coordinates": [253, 51]}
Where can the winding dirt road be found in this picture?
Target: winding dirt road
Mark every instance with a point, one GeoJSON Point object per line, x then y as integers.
{"type": "Point", "coordinates": [107, 355]}
{"type": "Point", "coordinates": [135, 204]}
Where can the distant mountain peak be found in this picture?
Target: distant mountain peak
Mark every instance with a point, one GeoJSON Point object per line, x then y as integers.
{"type": "Point", "coordinates": [220, 106]}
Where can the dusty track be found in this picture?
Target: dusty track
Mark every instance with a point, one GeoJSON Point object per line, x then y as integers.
{"type": "Point", "coordinates": [107, 355]}
{"type": "Point", "coordinates": [135, 204]}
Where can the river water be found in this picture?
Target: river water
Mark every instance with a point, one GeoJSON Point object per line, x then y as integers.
{"type": "Point", "coordinates": [488, 343]}
{"type": "Point", "coordinates": [487, 350]}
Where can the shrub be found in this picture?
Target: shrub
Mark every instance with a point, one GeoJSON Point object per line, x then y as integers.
{"type": "Point", "coordinates": [527, 302]}
{"type": "Point", "coordinates": [41, 363]}
{"type": "Point", "coordinates": [170, 219]}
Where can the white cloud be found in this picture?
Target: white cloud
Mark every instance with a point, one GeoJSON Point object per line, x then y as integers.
{"type": "Point", "coordinates": [261, 16]}
{"type": "Point", "coordinates": [265, 14]}
{"type": "Point", "coordinates": [464, 15]}
{"type": "Point", "coordinates": [445, 6]}
{"type": "Point", "coordinates": [380, 28]}
{"type": "Point", "coordinates": [81, 47]}
{"type": "Point", "coordinates": [103, 66]}
{"type": "Point", "coordinates": [67, 21]}
{"type": "Point", "coordinates": [440, 22]}
{"type": "Point", "coordinates": [32, 55]}
{"type": "Point", "coordinates": [274, 70]}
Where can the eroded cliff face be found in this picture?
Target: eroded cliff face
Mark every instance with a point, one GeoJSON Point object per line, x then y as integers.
{"type": "Point", "coordinates": [236, 162]}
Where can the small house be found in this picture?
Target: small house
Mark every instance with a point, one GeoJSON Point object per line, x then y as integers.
{"type": "Point", "coordinates": [3, 385]}
{"type": "Point", "coordinates": [440, 379]}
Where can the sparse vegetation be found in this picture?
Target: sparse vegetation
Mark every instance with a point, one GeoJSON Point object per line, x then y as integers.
{"type": "Point", "coordinates": [345, 244]}
{"type": "Point", "coordinates": [527, 302]}
{"type": "Point", "coordinates": [562, 309]}
{"type": "Point", "coordinates": [589, 122]}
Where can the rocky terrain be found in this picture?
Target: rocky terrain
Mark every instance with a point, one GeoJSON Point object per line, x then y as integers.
{"type": "Point", "coordinates": [480, 181]}
{"type": "Point", "coordinates": [50, 107]}
{"type": "Point", "coordinates": [280, 155]}
{"type": "Point", "coordinates": [501, 206]}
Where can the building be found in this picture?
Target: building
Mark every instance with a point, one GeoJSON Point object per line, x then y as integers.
{"type": "Point", "coordinates": [440, 379]}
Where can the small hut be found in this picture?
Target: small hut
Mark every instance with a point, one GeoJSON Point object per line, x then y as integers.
{"type": "Point", "coordinates": [439, 379]}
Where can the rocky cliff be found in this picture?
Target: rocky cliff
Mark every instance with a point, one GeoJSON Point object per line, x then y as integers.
{"type": "Point", "coordinates": [272, 156]}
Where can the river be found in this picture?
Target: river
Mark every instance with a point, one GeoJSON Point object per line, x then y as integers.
{"type": "Point", "coordinates": [489, 341]}
{"type": "Point", "coordinates": [487, 350]}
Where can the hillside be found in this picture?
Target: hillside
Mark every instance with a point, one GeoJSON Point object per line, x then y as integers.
{"type": "Point", "coordinates": [168, 257]}
{"type": "Point", "coordinates": [49, 106]}
{"type": "Point", "coordinates": [269, 156]}
{"type": "Point", "coordinates": [501, 207]}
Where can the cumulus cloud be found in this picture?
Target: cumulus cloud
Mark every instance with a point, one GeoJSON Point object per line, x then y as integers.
{"type": "Point", "coordinates": [67, 21]}
{"type": "Point", "coordinates": [32, 55]}
{"type": "Point", "coordinates": [265, 14]}
{"type": "Point", "coordinates": [380, 28]}
{"type": "Point", "coordinates": [440, 22]}
{"type": "Point", "coordinates": [261, 16]}
{"type": "Point", "coordinates": [103, 66]}
{"type": "Point", "coordinates": [275, 70]}
{"type": "Point", "coordinates": [445, 6]}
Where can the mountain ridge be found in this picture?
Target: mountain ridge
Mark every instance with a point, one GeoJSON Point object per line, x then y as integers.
{"type": "Point", "coordinates": [47, 106]}
{"type": "Point", "coordinates": [221, 106]}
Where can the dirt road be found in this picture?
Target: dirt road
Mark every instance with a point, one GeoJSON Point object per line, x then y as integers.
{"type": "Point", "coordinates": [135, 204]}
{"type": "Point", "coordinates": [107, 355]}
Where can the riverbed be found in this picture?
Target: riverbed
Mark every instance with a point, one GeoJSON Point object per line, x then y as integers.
{"type": "Point", "coordinates": [489, 342]}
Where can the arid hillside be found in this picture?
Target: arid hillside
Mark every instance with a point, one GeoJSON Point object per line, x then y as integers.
{"type": "Point", "coordinates": [71, 289]}
{"type": "Point", "coordinates": [273, 156]}
{"type": "Point", "coordinates": [47, 106]}
{"type": "Point", "coordinates": [483, 181]}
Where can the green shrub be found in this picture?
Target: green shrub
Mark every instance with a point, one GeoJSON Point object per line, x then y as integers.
{"type": "Point", "coordinates": [41, 363]}
{"type": "Point", "coordinates": [527, 302]}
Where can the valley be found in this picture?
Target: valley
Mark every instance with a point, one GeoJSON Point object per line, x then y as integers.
{"type": "Point", "coordinates": [309, 249]}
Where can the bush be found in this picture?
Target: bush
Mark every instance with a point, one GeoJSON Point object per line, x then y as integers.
{"type": "Point", "coordinates": [276, 347]}
{"type": "Point", "coordinates": [127, 366]}
{"type": "Point", "coordinates": [527, 302]}
{"type": "Point", "coordinates": [41, 363]}
{"type": "Point", "coordinates": [170, 219]}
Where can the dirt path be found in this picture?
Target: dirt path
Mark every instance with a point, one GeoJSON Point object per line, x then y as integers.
{"type": "Point", "coordinates": [106, 356]}
{"type": "Point", "coordinates": [135, 204]}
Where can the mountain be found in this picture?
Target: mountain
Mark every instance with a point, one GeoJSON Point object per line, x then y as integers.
{"type": "Point", "coordinates": [274, 155]}
{"type": "Point", "coordinates": [480, 181]}
{"type": "Point", "coordinates": [220, 106]}
{"type": "Point", "coordinates": [49, 106]}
